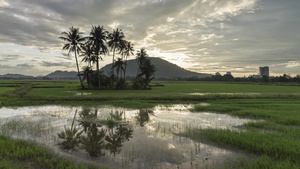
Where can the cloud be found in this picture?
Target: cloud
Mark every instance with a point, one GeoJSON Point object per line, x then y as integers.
{"type": "Point", "coordinates": [56, 64]}
{"type": "Point", "coordinates": [232, 32]}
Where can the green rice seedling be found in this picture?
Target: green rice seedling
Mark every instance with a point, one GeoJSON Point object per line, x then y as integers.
{"type": "Point", "coordinates": [29, 154]}
{"type": "Point", "coordinates": [269, 144]}
{"type": "Point", "coordinates": [260, 162]}
{"type": "Point", "coordinates": [25, 127]}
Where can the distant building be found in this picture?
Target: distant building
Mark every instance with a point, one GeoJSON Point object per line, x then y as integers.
{"type": "Point", "coordinates": [264, 71]}
{"type": "Point", "coordinates": [256, 76]}
{"type": "Point", "coordinates": [228, 73]}
{"type": "Point", "coordinates": [218, 74]}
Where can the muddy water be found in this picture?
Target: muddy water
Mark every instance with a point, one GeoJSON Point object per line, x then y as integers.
{"type": "Point", "coordinates": [153, 143]}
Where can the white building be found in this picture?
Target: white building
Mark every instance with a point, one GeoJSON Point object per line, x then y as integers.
{"type": "Point", "coordinates": [264, 71]}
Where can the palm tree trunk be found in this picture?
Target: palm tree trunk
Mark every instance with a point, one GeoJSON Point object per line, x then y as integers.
{"type": "Point", "coordinates": [98, 73]}
{"type": "Point", "coordinates": [113, 61]}
{"type": "Point", "coordinates": [82, 87]}
{"type": "Point", "coordinates": [137, 73]}
{"type": "Point", "coordinates": [125, 68]}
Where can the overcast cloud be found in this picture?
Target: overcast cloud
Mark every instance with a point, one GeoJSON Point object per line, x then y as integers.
{"type": "Point", "coordinates": [205, 36]}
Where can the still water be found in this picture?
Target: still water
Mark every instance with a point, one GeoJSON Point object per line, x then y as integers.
{"type": "Point", "coordinates": [127, 138]}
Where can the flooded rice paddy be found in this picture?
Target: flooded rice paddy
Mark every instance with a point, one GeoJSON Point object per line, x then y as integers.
{"type": "Point", "coordinates": [122, 138]}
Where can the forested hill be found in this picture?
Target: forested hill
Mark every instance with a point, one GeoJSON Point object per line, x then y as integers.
{"type": "Point", "coordinates": [164, 68]}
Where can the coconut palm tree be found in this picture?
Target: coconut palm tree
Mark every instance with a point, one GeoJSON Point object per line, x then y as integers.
{"type": "Point", "coordinates": [140, 57]}
{"type": "Point", "coordinates": [74, 40]}
{"type": "Point", "coordinates": [87, 72]}
{"type": "Point", "coordinates": [147, 69]}
{"type": "Point", "coordinates": [128, 50]}
{"type": "Point", "coordinates": [119, 65]}
{"type": "Point", "coordinates": [98, 38]}
{"type": "Point", "coordinates": [88, 54]}
{"type": "Point", "coordinates": [115, 40]}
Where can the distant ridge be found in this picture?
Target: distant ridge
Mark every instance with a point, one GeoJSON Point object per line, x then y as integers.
{"type": "Point", "coordinates": [62, 75]}
{"type": "Point", "coordinates": [164, 68]}
{"type": "Point", "coordinates": [16, 76]}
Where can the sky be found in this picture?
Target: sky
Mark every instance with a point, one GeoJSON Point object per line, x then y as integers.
{"type": "Point", "coordinates": [205, 36]}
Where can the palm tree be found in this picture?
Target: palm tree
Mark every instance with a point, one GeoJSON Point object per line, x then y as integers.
{"type": "Point", "coordinates": [147, 69]}
{"type": "Point", "coordinates": [74, 41]}
{"type": "Point", "coordinates": [115, 40]}
{"type": "Point", "coordinates": [98, 38]}
{"type": "Point", "coordinates": [128, 50]}
{"type": "Point", "coordinates": [87, 72]}
{"type": "Point", "coordinates": [119, 66]}
{"type": "Point", "coordinates": [88, 54]}
{"type": "Point", "coordinates": [140, 57]}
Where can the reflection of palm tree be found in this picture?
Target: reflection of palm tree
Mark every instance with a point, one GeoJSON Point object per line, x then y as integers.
{"type": "Point", "coordinates": [96, 137]}
{"type": "Point", "coordinates": [74, 39]}
{"type": "Point", "coordinates": [93, 142]}
{"type": "Point", "coordinates": [87, 118]}
{"type": "Point", "coordinates": [116, 115]}
{"type": "Point", "coordinates": [116, 139]}
{"type": "Point", "coordinates": [115, 40]}
{"type": "Point", "coordinates": [97, 38]}
{"type": "Point", "coordinates": [143, 117]}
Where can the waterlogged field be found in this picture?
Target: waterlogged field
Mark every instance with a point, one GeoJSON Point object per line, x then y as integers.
{"type": "Point", "coordinates": [151, 141]}
{"type": "Point", "coordinates": [241, 125]}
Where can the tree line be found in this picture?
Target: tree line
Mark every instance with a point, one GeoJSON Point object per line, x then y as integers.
{"type": "Point", "coordinates": [227, 77]}
{"type": "Point", "coordinates": [99, 43]}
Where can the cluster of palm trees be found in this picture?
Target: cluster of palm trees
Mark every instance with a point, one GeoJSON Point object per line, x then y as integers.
{"type": "Point", "coordinates": [96, 45]}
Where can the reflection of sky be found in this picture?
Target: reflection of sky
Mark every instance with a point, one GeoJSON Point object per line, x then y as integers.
{"type": "Point", "coordinates": [206, 36]}
{"type": "Point", "coordinates": [152, 144]}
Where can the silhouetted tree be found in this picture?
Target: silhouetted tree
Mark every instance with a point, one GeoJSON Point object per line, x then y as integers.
{"type": "Point", "coordinates": [88, 54]}
{"type": "Point", "coordinates": [74, 41]}
{"type": "Point", "coordinates": [119, 66]}
{"type": "Point", "coordinates": [97, 38]}
{"type": "Point", "coordinates": [147, 70]}
{"type": "Point", "coordinates": [115, 40]}
{"type": "Point", "coordinates": [128, 50]}
{"type": "Point", "coordinates": [140, 57]}
{"type": "Point", "coordinates": [87, 73]}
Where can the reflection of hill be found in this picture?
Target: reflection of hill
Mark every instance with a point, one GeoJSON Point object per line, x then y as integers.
{"type": "Point", "coordinates": [164, 68]}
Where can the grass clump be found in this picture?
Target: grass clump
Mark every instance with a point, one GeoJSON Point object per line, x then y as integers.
{"type": "Point", "coordinates": [275, 136]}
{"type": "Point", "coordinates": [31, 154]}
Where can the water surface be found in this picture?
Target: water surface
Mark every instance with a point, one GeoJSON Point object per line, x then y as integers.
{"type": "Point", "coordinates": [152, 144]}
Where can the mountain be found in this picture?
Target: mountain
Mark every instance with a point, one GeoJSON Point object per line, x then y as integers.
{"type": "Point", "coordinates": [164, 69]}
{"type": "Point", "coordinates": [15, 76]}
{"type": "Point", "coordinates": [62, 75]}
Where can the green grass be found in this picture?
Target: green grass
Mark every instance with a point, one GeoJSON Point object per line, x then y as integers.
{"type": "Point", "coordinates": [67, 92]}
{"type": "Point", "coordinates": [276, 134]}
{"type": "Point", "coordinates": [32, 156]}
{"type": "Point", "coordinates": [274, 138]}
